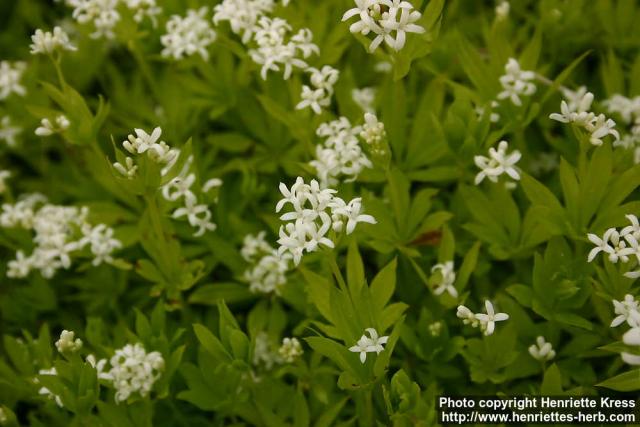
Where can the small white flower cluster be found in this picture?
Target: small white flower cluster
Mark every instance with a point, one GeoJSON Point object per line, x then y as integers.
{"type": "Point", "coordinates": [188, 35]}
{"type": "Point", "coordinates": [627, 108]}
{"type": "Point", "coordinates": [59, 231]}
{"type": "Point", "coordinates": [47, 127]}
{"type": "Point", "coordinates": [340, 154]}
{"type": "Point", "coordinates": [384, 18]}
{"type": "Point", "coordinates": [263, 353]}
{"type": "Point", "coordinates": [142, 142]}
{"type": "Point", "coordinates": [268, 269]}
{"type": "Point", "coordinates": [498, 163]}
{"type": "Point", "coordinates": [435, 328]}
{"type": "Point", "coordinates": [104, 15]}
{"type": "Point", "coordinates": [242, 15]}
{"type": "Point", "coordinates": [277, 50]}
{"type": "Point", "coordinates": [629, 111]}
{"type": "Point", "coordinates": [319, 94]}
{"type": "Point", "coordinates": [542, 350]}
{"type": "Point", "coordinates": [4, 175]}
{"type": "Point", "coordinates": [133, 370]}
{"type": "Point", "coordinates": [179, 188]}
{"type": "Point", "coordinates": [447, 277]}
{"type": "Point", "coordinates": [49, 42]}
{"type": "Point", "coordinates": [144, 8]}
{"type": "Point", "coordinates": [487, 322]}
{"type": "Point", "coordinates": [373, 131]}
{"type": "Point", "coordinates": [290, 350]}
{"type": "Point", "coordinates": [493, 116]}
{"type": "Point", "coordinates": [502, 10]}
{"type": "Point", "coordinates": [8, 132]}
{"type": "Point", "coordinates": [10, 76]}
{"type": "Point", "coordinates": [369, 344]}
{"type": "Point", "coordinates": [45, 391]}
{"type": "Point", "coordinates": [516, 82]}
{"type": "Point", "coordinates": [631, 338]}
{"type": "Point", "coordinates": [619, 245]}
{"type": "Point", "coordinates": [68, 342]}
{"type": "Point", "coordinates": [627, 310]}
{"type": "Point", "coordinates": [316, 211]}
{"type": "Point", "coordinates": [364, 98]}
{"type": "Point", "coordinates": [576, 110]}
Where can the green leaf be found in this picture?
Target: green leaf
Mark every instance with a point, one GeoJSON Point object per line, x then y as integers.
{"type": "Point", "coordinates": [355, 270]}
{"type": "Point", "coordinates": [552, 382]}
{"type": "Point", "coordinates": [468, 265]}
{"type": "Point", "coordinates": [229, 292]}
{"type": "Point", "coordinates": [383, 285]}
{"type": "Point", "coordinates": [628, 381]}
{"type": "Point", "coordinates": [211, 343]}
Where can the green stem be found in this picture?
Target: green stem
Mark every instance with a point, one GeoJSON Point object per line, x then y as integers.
{"type": "Point", "coordinates": [156, 223]}
{"type": "Point", "coordinates": [337, 273]}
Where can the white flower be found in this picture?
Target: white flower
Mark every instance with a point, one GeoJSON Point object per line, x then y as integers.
{"type": "Point", "coordinates": [383, 18]}
{"type": "Point", "coordinates": [277, 51]}
{"type": "Point", "coordinates": [340, 154]}
{"type": "Point", "coordinates": [59, 232]}
{"type": "Point", "coordinates": [502, 10]}
{"type": "Point", "coordinates": [435, 328]}
{"type": "Point", "coordinates": [102, 13]}
{"type": "Point", "coordinates": [268, 274]}
{"type": "Point", "coordinates": [516, 82]}
{"type": "Point", "coordinates": [447, 279]}
{"type": "Point", "coordinates": [600, 127]}
{"type": "Point", "coordinates": [134, 371]}
{"type": "Point", "coordinates": [612, 244]}
{"type": "Point", "coordinates": [364, 98]}
{"type": "Point", "coordinates": [314, 99]}
{"type": "Point", "coordinates": [45, 391]}
{"type": "Point", "coordinates": [627, 310]}
{"type": "Point", "coordinates": [542, 350]}
{"type": "Point", "coordinates": [67, 343]}
{"type": "Point", "coordinates": [242, 15]}
{"type": "Point", "coordinates": [493, 117]}
{"type": "Point", "coordinates": [10, 76]}
{"type": "Point", "coordinates": [254, 246]}
{"type": "Point", "coordinates": [47, 128]}
{"type": "Point", "coordinates": [401, 18]}
{"type": "Point", "coordinates": [178, 188]}
{"type": "Point", "coordinates": [142, 142]}
{"type": "Point", "coordinates": [316, 211]}
{"type": "Point", "coordinates": [199, 216]}
{"type": "Point", "coordinates": [370, 344]}
{"type": "Point", "coordinates": [188, 35]}
{"type": "Point", "coordinates": [488, 320]}
{"type": "Point", "coordinates": [129, 169]}
{"type": "Point", "coordinates": [631, 338]}
{"type": "Point", "coordinates": [49, 42]}
{"type": "Point", "coordinates": [144, 8]}
{"type": "Point", "coordinates": [322, 81]}
{"type": "Point", "coordinates": [629, 109]}
{"type": "Point", "coordinates": [263, 353]}
{"type": "Point", "coordinates": [210, 184]}
{"type": "Point", "coordinates": [101, 243]}
{"type": "Point", "coordinates": [8, 133]}
{"type": "Point", "coordinates": [468, 317]}
{"type": "Point", "coordinates": [290, 349]}
{"type": "Point", "coordinates": [373, 131]}
{"type": "Point", "coordinates": [99, 366]}
{"type": "Point", "coordinates": [497, 163]}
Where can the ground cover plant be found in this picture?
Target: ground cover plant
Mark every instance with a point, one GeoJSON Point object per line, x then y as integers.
{"type": "Point", "coordinates": [303, 212]}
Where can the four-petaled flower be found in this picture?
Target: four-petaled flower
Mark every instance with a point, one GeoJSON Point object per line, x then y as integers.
{"type": "Point", "coordinates": [369, 344]}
